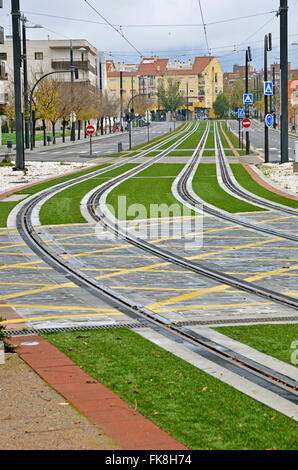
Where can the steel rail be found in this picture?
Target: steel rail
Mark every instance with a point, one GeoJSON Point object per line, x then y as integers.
{"type": "Point", "coordinates": [278, 383]}
{"type": "Point", "coordinates": [227, 180]}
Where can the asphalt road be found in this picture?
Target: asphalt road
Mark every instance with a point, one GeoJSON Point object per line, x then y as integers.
{"type": "Point", "coordinates": [101, 146]}
{"type": "Point", "coordinates": [257, 141]}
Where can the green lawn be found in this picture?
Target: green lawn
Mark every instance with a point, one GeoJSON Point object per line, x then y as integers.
{"type": "Point", "coordinates": [64, 207]}
{"type": "Point", "coordinates": [6, 207]}
{"type": "Point", "coordinates": [247, 182]}
{"type": "Point", "coordinates": [192, 141]}
{"type": "Point", "coordinates": [205, 184]}
{"type": "Point", "coordinates": [210, 143]}
{"type": "Point", "coordinates": [197, 409]}
{"type": "Point", "coordinates": [146, 189]}
{"type": "Point", "coordinates": [274, 340]}
{"type": "Point", "coordinates": [39, 136]}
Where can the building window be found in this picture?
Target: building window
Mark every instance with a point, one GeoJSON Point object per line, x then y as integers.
{"type": "Point", "coordinates": [113, 81]}
{"type": "Point", "coordinates": [191, 90]}
{"type": "Point", "coordinates": [38, 55]}
{"type": "Point", "coordinates": [3, 56]}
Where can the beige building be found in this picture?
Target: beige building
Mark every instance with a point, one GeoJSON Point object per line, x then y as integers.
{"type": "Point", "coordinates": [50, 56]}
{"type": "Point", "coordinates": [200, 80]}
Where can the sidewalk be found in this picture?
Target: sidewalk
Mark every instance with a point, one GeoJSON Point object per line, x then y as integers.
{"type": "Point", "coordinates": [34, 417]}
{"type": "Point", "coordinates": [59, 144]}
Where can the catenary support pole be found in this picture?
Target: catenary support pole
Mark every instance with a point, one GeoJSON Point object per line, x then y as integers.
{"type": "Point", "coordinates": [284, 137]}
{"type": "Point", "coordinates": [20, 155]}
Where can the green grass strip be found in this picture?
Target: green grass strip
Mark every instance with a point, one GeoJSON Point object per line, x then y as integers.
{"type": "Point", "coordinates": [205, 184]}
{"type": "Point", "coordinates": [247, 182]}
{"type": "Point", "coordinates": [209, 153]}
{"type": "Point", "coordinates": [64, 207]}
{"type": "Point", "coordinates": [193, 140]}
{"type": "Point", "coordinates": [6, 207]}
{"type": "Point", "coordinates": [210, 143]}
{"type": "Point", "coordinates": [156, 140]}
{"type": "Point", "coordinates": [150, 187]}
{"type": "Point", "coordinates": [197, 409]}
{"type": "Point", "coordinates": [274, 340]}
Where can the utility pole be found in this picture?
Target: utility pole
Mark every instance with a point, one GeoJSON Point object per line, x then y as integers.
{"type": "Point", "coordinates": [248, 58]}
{"type": "Point", "coordinates": [16, 15]}
{"type": "Point", "coordinates": [73, 124]}
{"type": "Point", "coordinates": [274, 97]}
{"type": "Point", "coordinates": [121, 100]}
{"type": "Point", "coordinates": [25, 73]}
{"type": "Point", "coordinates": [284, 131]}
{"type": "Point", "coordinates": [267, 47]}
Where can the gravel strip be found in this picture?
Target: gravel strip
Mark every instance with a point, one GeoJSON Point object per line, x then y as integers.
{"type": "Point", "coordinates": [36, 171]}
{"type": "Point", "coordinates": [282, 174]}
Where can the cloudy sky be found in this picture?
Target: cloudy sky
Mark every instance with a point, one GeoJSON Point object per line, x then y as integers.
{"type": "Point", "coordinates": [168, 28]}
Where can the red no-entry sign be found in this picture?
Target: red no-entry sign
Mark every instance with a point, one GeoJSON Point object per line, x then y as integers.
{"type": "Point", "coordinates": [246, 123]}
{"type": "Point", "coordinates": [90, 130]}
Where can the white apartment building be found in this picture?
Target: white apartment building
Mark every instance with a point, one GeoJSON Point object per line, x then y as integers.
{"type": "Point", "coordinates": [50, 56]}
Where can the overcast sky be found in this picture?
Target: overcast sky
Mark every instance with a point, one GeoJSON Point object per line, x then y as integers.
{"type": "Point", "coordinates": [227, 40]}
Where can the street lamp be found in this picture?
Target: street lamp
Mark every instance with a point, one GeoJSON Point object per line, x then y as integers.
{"type": "Point", "coordinates": [73, 71]}
{"type": "Point", "coordinates": [25, 72]}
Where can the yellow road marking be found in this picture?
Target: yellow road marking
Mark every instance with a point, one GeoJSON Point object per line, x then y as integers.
{"type": "Point", "coordinates": [24, 320]}
{"type": "Point", "coordinates": [219, 288]}
{"type": "Point", "coordinates": [205, 307]}
{"type": "Point", "coordinates": [22, 265]}
{"type": "Point", "coordinates": [37, 291]}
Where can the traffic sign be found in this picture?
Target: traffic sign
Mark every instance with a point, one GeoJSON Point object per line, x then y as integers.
{"type": "Point", "coordinates": [268, 88]}
{"type": "Point", "coordinates": [90, 130]}
{"type": "Point", "coordinates": [247, 98]}
{"type": "Point", "coordinates": [269, 120]}
{"type": "Point", "coordinates": [241, 113]}
{"type": "Point", "coordinates": [246, 123]}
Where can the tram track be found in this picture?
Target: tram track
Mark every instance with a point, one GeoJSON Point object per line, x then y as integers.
{"type": "Point", "coordinates": [230, 183]}
{"type": "Point", "coordinates": [284, 386]}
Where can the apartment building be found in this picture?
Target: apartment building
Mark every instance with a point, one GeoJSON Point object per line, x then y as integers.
{"type": "Point", "coordinates": [50, 56]}
{"type": "Point", "coordinates": [200, 80]}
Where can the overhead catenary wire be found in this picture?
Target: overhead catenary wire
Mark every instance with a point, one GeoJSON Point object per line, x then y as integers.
{"type": "Point", "coordinates": [205, 29]}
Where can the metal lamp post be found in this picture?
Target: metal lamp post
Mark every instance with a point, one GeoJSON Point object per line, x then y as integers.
{"type": "Point", "coordinates": [25, 73]}
{"type": "Point", "coordinates": [76, 75]}
{"type": "Point", "coordinates": [248, 58]}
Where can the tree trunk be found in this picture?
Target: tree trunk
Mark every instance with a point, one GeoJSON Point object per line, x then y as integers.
{"type": "Point", "coordinates": [97, 126]}
{"type": "Point", "coordinates": [79, 129]}
{"type": "Point", "coordinates": [101, 126]}
{"type": "Point", "coordinates": [63, 130]}
{"type": "Point", "coordinates": [54, 132]}
{"type": "Point", "coordinates": [44, 132]}
{"type": "Point", "coordinates": [85, 133]}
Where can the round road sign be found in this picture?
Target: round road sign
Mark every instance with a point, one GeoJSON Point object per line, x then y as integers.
{"type": "Point", "coordinates": [246, 123]}
{"type": "Point", "coordinates": [269, 120]}
{"type": "Point", "coordinates": [90, 130]}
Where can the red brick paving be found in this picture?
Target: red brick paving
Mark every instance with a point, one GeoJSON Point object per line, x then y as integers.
{"type": "Point", "coordinates": [255, 175]}
{"type": "Point", "coordinates": [116, 418]}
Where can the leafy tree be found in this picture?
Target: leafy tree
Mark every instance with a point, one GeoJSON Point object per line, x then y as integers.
{"type": "Point", "coordinates": [46, 102]}
{"type": "Point", "coordinates": [235, 93]}
{"type": "Point", "coordinates": [221, 106]}
{"type": "Point", "coordinates": [169, 96]}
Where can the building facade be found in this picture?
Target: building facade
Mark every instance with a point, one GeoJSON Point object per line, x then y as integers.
{"type": "Point", "coordinates": [200, 81]}
{"type": "Point", "coordinates": [50, 56]}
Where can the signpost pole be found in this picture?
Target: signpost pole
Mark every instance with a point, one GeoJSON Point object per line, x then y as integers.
{"type": "Point", "coordinates": [90, 144]}
{"type": "Point", "coordinates": [266, 141]}
{"type": "Point", "coordinates": [239, 132]}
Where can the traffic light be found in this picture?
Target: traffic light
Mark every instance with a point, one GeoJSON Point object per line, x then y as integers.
{"type": "Point", "coordinates": [126, 115]}
{"type": "Point", "coordinates": [132, 114]}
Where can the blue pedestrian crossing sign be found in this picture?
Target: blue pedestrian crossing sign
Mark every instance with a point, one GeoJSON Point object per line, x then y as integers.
{"type": "Point", "coordinates": [269, 120]}
{"type": "Point", "coordinates": [268, 88]}
{"type": "Point", "coordinates": [241, 113]}
{"type": "Point", "coordinates": [247, 98]}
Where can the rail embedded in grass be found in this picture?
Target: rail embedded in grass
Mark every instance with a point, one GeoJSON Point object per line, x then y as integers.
{"type": "Point", "coordinates": [279, 341]}
{"type": "Point", "coordinates": [206, 186]}
{"type": "Point", "coordinates": [248, 183]}
{"type": "Point", "coordinates": [194, 407]}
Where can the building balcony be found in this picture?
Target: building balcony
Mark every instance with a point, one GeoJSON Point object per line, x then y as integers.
{"type": "Point", "coordinates": [64, 64]}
